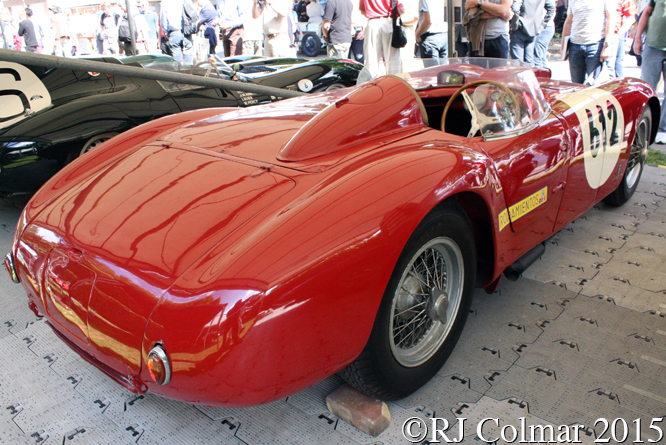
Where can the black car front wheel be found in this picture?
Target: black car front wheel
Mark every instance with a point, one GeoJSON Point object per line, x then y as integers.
{"type": "Point", "coordinates": [89, 145]}
{"type": "Point", "coordinates": [423, 310]}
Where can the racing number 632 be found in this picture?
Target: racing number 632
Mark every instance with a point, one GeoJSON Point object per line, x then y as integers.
{"type": "Point", "coordinates": [602, 132]}
{"type": "Point", "coordinates": [602, 139]}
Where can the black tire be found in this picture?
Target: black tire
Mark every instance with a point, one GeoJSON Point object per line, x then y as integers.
{"type": "Point", "coordinates": [635, 163]}
{"type": "Point", "coordinates": [310, 44]}
{"type": "Point", "coordinates": [89, 145]}
{"type": "Point", "coordinates": [388, 370]}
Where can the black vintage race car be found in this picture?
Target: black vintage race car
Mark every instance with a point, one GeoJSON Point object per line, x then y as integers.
{"type": "Point", "coordinates": [49, 117]}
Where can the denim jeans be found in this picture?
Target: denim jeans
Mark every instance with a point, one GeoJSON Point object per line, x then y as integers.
{"type": "Point", "coordinates": [356, 49]}
{"type": "Point", "coordinates": [177, 43]}
{"type": "Point", "coordinates": [433, 46]}
{"type": "Point", "coordinates": [584, 62]}
{"type": "Point", "coordinates": [497, 47]}
{"type": "Point", "coordinates": [522, 46]}
{"type": "Point", "coordinates": [651, 70]}
{"type": "Point", "coordinates": [608, 67]}
{"type": "Point", "coordinates": [619, 57]}
{"type": "Point", "coordinates": [541, 46]}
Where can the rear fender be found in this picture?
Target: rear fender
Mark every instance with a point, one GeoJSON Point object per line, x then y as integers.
{"type": "Point", "coordinates": [290, 297]}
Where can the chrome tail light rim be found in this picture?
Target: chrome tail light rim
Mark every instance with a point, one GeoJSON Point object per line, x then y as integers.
{"type": "Point", "coordinates": [11, 268]}
{"type": "Point", "coordinates": [159, 353]}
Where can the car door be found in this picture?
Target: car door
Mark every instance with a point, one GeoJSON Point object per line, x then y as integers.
{"type": "Point", "coordinates": [532, 167]}
{"type": "Point", "coordinates": [596, 127]}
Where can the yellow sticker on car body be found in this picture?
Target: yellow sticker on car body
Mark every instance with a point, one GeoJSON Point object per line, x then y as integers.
{"type": "Point", "coordinates": [522, 208]}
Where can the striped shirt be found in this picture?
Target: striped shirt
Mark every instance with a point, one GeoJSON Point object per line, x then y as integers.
{"type": "Point", "coordinates": [373, 9]}
{"type": "Point", "coordinates": [625, 10]}
{"type": "Point", "coordinates": [588, 23]}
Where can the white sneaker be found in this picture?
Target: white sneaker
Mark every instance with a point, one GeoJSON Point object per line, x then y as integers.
{"type": "Point", "coordinates": [661, 138]}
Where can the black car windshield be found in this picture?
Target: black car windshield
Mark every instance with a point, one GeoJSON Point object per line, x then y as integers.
{"type": "Point", "coordinates": [214, 68]}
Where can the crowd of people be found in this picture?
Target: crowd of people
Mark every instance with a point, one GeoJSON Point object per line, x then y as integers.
{"type": "Point", "coordinates": [67, 33]}
{"type": "Point", "coordinates": [233, 27]}
{"type": "Point", "coordinates": [593, 33]}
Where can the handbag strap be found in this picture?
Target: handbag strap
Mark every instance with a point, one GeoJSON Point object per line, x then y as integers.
{"type": "Point", "coordinates": [394, 13]}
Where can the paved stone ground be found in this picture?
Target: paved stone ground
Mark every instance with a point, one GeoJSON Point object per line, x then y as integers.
{"type": "Point", "coordinates": [581, 336]}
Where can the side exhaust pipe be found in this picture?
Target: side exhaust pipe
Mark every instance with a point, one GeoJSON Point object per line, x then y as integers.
{"type": "Point", "coordinates": [513, 272]}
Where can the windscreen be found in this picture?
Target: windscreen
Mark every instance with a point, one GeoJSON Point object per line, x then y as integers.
{"type": "Point", "coordinates": [398, 67]}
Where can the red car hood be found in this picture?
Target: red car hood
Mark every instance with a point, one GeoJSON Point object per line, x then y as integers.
{"type": "Point", "coordinates": [101, 254]}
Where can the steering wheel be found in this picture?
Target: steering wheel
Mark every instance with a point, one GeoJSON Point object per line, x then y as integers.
{"type": "Point", "coordinates": [208, 70]}
{"type": "Point", "coordinates": [480, 120]}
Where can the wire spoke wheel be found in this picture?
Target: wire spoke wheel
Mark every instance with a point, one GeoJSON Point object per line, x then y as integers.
{"type": "Point", "coordinates": [638, 153]}
{"type": "Point", "coordinates": [637, 156]}
{"type": "Point", "coordinates": [423, 309]}
{"type": "Point", "coordinates": [426, 302]}
{"type": "Point", "coordinates": [90, 144]}
{"type": "Point", "coordinates": [94, 142]}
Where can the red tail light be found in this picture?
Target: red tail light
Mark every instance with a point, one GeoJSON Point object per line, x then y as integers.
{"type": "Point", "coordinates": [159, 366]}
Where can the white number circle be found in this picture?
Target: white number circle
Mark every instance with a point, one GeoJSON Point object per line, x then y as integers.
{"type": "Point", "coordinates": [305, 85]}
{"type": "Point", "coordinates": [602, 127]}
{"type": "Point", "coordinates": [21, 93]}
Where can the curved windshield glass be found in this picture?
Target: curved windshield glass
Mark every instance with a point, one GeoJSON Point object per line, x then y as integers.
{"type": "Point", "coordinates": [398, 67]}
{"type": "Point", "coordinates": [501, 96]}
{"type": "Point", "coordinates": [503, 106]}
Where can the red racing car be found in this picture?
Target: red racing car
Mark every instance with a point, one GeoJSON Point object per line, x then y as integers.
{"type": "Point", "coordinates": [236, 256]}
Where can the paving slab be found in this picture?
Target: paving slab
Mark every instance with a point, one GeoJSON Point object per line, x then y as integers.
{"type": "Point", "coordinates": [584, 234]}
{"type": "Point", "coordinates": [508, 412]}
{"type": "Point", "coordinates": [443, 396]}
{"type": "Point", "coordinates": [619, 288]}
{"type": "Point", "coordinates": [567, 268]}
